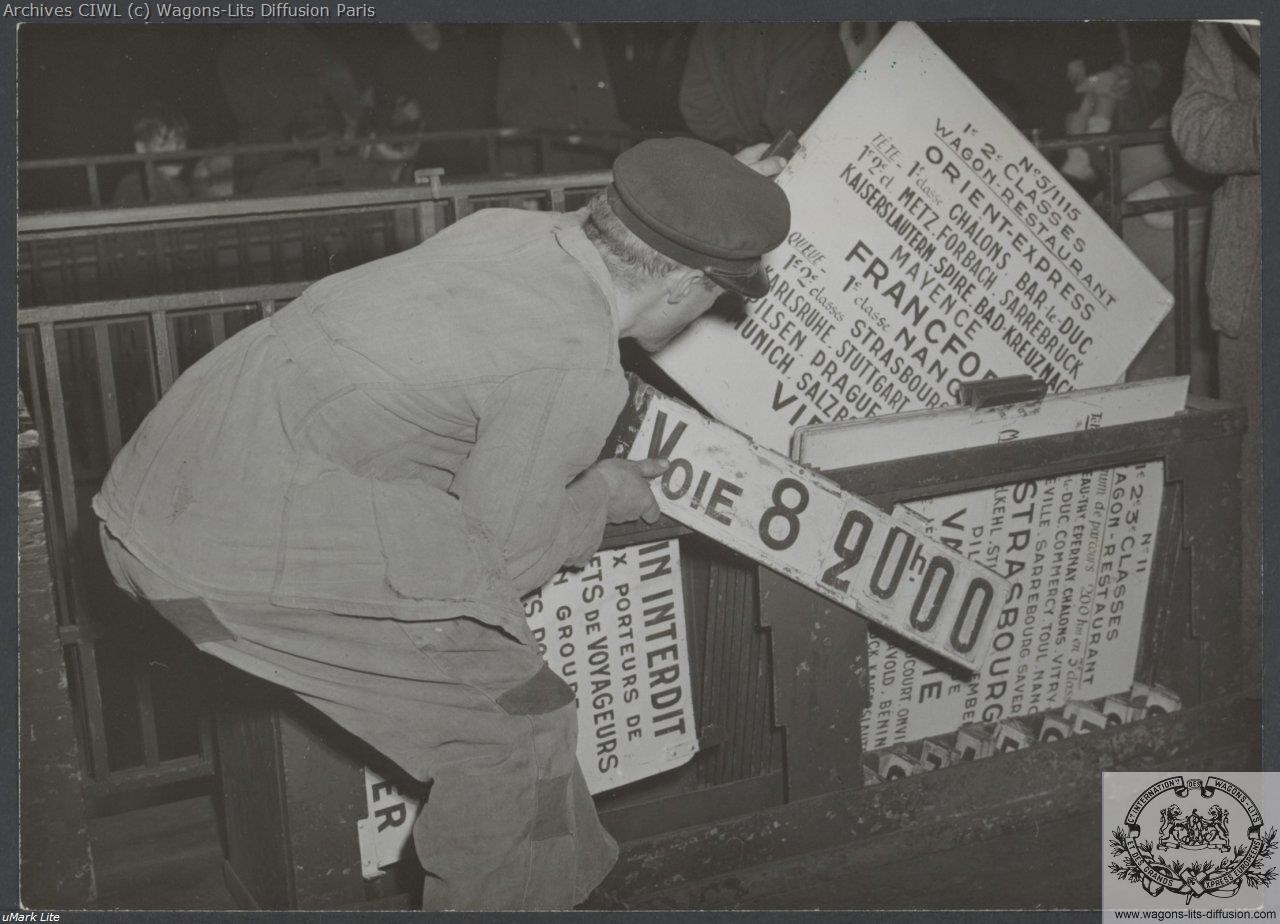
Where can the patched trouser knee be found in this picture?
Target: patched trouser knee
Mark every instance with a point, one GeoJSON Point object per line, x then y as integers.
{"type": "Point", "coordinates": [542, 847]}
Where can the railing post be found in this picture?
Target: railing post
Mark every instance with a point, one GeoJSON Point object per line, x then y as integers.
{"type": "Point", "coordinates": [107, 386]}
{"type": "Point", "coordinates": [1115, 205]}
{"type": "Point", "coordinates": [164, 350]}
{"type": "Point", "coordinates": [149, 168]}
{"type": "Point", "coordinates": [95, 193]}
{"type": "Point", "coordinates": [1184, 301]}
{"type": "Point", "coordinates": [491, 155]}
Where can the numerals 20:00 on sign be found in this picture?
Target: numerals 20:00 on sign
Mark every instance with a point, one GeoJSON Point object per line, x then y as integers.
{"type": "Point", "coordinates": [801, 524]}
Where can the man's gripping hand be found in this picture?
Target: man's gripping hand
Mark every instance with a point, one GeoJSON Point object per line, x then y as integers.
{"type": "Point", "coordinates": [630, 497]}
{"type": "Point", "coordinates": [754, 158]}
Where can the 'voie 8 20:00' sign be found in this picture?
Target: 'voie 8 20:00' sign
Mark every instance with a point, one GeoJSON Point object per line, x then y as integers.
{"type": "Point", "coordinates": [795, 521]}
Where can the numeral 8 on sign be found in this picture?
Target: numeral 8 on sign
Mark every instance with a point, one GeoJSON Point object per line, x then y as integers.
{"type": "Point", "coordinates": [781, 511]}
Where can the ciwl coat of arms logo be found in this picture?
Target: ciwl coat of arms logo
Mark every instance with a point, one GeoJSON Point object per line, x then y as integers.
{"type": "Point", "coordinates": [1209, 840]}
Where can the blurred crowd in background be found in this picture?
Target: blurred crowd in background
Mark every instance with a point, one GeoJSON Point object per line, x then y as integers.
{"type": "Point", "coordinates": [95, 90]}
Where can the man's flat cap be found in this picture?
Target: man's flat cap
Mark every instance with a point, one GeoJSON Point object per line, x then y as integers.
{"type": "Point", "coordinates": [699, 206]}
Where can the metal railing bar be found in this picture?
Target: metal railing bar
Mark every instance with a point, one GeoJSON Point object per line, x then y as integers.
{"type": "Point", "coordinates": [206, 736]}
{"type": "Point", "coordinates": [53, 522]}
{"type": "Point", "coordinates": [1115, 196]}
{"type": "Point", "coordinates": [85, 221]}
{"type": "Point", "coordinates": [107, 386]}
{"type": "Point", "coordinates": [147, 304]}
{"type": "Point", "coordinates": [167, 771]}
{"type": "Point", "coordinates": [218, 326]}
{"type": "Point", "coordinates": [163, 350]}
{"type": "Point", "coordinates": [493, 135]}
{"type": "Point", "coordinates": [146, 716]}
{"type": "Point", "coordinates": [95, 192]}
{"type": "Point", "coordinates": [58, 421]}
{"type": "Point", "coordinates": [1102, 139]}
{"type": "Point", "coordinates": [86, 661]}
{"type": "Point", "coordinates": [1166, 204]}
{"type": "Point", "coordinates": [1183, 299]}
{"type": "Point", "coordinates": [490, 154]}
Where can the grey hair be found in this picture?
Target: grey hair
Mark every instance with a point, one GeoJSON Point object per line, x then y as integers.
{"type": "Point", "coordinates": [631, 261]}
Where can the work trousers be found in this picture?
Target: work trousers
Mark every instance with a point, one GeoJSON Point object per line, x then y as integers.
{"type": "Point", "coordinates": [508, 823]}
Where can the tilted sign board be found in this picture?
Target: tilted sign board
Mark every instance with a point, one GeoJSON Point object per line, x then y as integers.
{"type": "Point", "coordinates": [917, 433]}
{"type": "Point", "coordinates": [1077, 550]}
{"type": "Point", "coordinates": [930, 244]}
{"type": "Point", "coordinates": [385, 832]}
{"type": "Point", "coordinates": [802, 525]}
{"type": "Point", "coordinates": [615, 632]}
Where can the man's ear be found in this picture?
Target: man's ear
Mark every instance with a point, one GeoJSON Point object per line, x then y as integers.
{"type": "Point", "coordinates": [140, 147]}
{"type": "Point", "coordinates": [682, 283]}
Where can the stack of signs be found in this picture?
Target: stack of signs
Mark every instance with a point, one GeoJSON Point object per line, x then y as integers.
{"type": "Point", "coordinates": [986, 739]}
{"type": "Point", "coordinates": [1076, 549]}
{"type": "Point", "coordinates": [930, 244]}
{"type": "Point", "coordinates": [615, 632]}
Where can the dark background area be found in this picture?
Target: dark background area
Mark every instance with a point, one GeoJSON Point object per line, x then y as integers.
{"type": "Point", "coordinates": [80, 84]}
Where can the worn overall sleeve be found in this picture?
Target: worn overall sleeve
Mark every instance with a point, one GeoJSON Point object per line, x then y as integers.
{"type": "Point", "coordinates": [536, 434]}
{"type": "Point", "coordinates": [1216, 131]}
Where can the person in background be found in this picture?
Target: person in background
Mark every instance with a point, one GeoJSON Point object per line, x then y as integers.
{"type": "Point", "coordinates": [158, 128]}
{"type": "Point", "coordinates": [213, 177]}
{"type": "Point", "coordinates": [1217, 127]}
{"type": "Point", "coordinates": [646, 60]}
{"type": "Point", "coordinates": [272, 73]}
{"type": "Point", "coordinates": [1119, 98]}
{"type": "Point", "coordinates": [343, 165]}
{"type": "Point", "coordinates": [1128, 97]}
{"type": "Point", "coordinates": [747, 83]}
{"type": "Point", "coordinates": [553, 77]}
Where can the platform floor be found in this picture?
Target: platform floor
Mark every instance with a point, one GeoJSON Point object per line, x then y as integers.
{"type": "Point", "coordinates": [168, 857]}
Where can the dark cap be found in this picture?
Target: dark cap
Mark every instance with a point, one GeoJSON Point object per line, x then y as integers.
{"type": "Point", "coordinates": [699, 206]}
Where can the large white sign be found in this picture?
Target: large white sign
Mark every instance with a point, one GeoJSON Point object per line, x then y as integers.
{"type": "Point", "coordinates": [615, 632]}
{"type": "Point", "coordinates": [930, 244]}
{"type": "Point", "coordinates": [804, 526]}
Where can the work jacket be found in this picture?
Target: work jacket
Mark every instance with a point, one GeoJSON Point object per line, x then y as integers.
{"type": "Point", "coordinates": [402, 440]}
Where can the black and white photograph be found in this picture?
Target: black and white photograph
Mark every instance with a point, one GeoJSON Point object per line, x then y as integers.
{"type": "Point", "coordinates": [711, 461]}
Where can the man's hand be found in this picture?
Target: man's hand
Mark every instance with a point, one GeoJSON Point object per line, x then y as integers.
{"type": "Point", "coordinates": [769, 166]}
{"type": "Point", "coordinates": [630, 497]}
